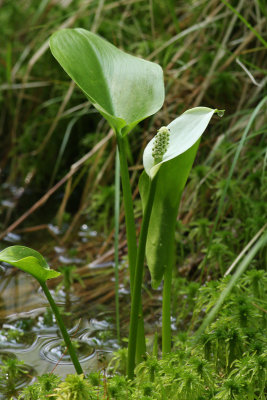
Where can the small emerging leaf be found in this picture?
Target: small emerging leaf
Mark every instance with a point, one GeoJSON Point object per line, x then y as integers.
{"type": "Point", "coordinates": [184, 132]}
{"type": "Point", "coordinates": [123, 88]}
{"type": "Point", "coordinates": [28, 260]}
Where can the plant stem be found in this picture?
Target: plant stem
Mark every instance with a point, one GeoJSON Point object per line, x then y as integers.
{"type": "Point", "coordinates": [128, 207]}
{"type": "Point", "coordinates": [166, 310]}
{"type": "Point", "coordinates": [62, 328]}
{"type": "Point", "coordinates": [166, 301]}
{"type": "Point", "coordinates": [136, 296]}
{"type": "Point", "coordinates": [131, 237]}
{"type": "Point", "coordinates": [116, 241]}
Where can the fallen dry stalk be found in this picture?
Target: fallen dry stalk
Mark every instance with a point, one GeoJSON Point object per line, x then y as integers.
{"type": "Point", "coordinates": [74, 168]}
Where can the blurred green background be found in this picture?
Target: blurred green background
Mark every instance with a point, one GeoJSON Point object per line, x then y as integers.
{"type": "Point", "coordinates": [210, 57]}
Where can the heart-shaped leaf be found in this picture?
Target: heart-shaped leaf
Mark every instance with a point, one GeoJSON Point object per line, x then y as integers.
{"type": "Point", "coordinates": [124, 89]}
{"type": "Point", "coordinates": [184, 131]}
{"type": "Point", "coordinates": [28, 260]}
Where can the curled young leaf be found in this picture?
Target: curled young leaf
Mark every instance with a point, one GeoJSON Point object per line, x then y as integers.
{"type": "Point", "coordinates": [182, 134]}
{"type": "Point", "coordinates": [28, 260]}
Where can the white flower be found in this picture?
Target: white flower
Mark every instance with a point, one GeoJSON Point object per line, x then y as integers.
{"type": "Point", "coordinates": [184, 132]}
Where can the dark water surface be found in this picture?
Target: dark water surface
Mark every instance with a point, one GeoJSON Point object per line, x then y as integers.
{"type": "Point", "coordinates": [28, 330]}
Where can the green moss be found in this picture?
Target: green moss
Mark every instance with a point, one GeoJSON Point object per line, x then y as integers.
{"type": "Point", "coordinates": [228, 362]}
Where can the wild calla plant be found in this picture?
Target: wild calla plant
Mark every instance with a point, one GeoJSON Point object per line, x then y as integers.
{"type": "Point", "coordinates": [32, 262]}
{"type": "Point", "coordinates": [167, 159]}
{"type": "Point", "coordinates": [125, 90]}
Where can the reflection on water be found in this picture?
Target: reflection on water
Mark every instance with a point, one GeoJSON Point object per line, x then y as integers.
{"type": "Point", "coordinates": [18, 293]}
{"type": "Point", "coordinates": [48, 353]}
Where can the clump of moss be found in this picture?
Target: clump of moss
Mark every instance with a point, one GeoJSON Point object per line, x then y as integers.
{"type": "Point", "coordinates": [228, 362]}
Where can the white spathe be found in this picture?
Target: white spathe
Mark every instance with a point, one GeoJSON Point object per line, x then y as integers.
{"type": "Point", "coordinates": [184, 133]}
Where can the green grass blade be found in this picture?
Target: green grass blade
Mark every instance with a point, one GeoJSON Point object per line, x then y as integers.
{"type": "Point", "coordinates": [226, 187]}
{"type": "Point", "coordinates": [246, 23]}
{"type": "Point", "coordinates": [62, 148]}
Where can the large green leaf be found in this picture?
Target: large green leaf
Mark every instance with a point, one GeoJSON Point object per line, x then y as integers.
{"type": "Point", "coordinates": [171, 179]}
{"type": "Point", "coordinates": [125, 89]}
{"type": "Point", "coordinates": [28, 260]}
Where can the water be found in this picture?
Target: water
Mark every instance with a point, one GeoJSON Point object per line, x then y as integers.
{"type": "Point", "coordinates": [29, 333]}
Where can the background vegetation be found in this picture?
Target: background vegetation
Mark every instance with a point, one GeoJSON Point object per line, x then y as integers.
{"type": "Point", "coordinates": [210, 57]}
